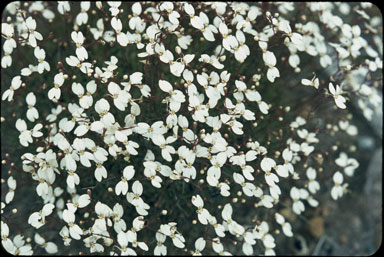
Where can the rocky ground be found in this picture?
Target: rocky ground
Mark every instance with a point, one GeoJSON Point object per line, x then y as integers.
{"type": "Point", "coordinates": [351, 226]}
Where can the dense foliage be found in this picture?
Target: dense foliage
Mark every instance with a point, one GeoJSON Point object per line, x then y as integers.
{"type": "Point", "coordinates": [178, 128]}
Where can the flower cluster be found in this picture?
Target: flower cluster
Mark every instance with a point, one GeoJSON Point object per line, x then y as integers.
{"type": "Point", "coordinates": [179, 127]}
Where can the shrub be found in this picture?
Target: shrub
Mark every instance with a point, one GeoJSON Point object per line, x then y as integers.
{"type": "Point", "coordinates": [178, 128]}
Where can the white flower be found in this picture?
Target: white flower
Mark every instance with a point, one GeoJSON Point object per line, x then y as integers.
{"type": "Point", "coordinates": [314, 82]}
{"type": "Point", "coordinates": [99, 31]}
{"type": "Point", "coordinates": [122, 38]}
{"type": "Point", "coordinates": [122, 239]}
{"type": "Point", "coordinates": [236, 126]}
{"type": "Point", "coordinates": [6, 60]}
{"type": "Point", "coordinates": [298, 122]}
{"type": "Point", "coordinates": [69, 159]}
{"type": "Point", "coordinates": [286, 226]}
{"type": "Point", "coordinates": [248, 188]}
{"type": "Point", "coordinates": [104, 212]}
{"type": "Point", "coordinates": [63, 6]}
{"type": "Point", "coordinates": [212, 60]}
{"type": "Point", "coordinates": [219, 248]}
{"type": "Point", "coordinates": [33, 34]}
{"type": "Point", "coordinates": [219, 228]}
{"type": "Point", "coordinates": [202, 214]}
{"type": "Point", "coordinates": [74, 61]}
{"type": "Point", "coordinates": [270, 61]}
{"type": "Point", "coordinates": [5, 241]}
{"type": "Point", "coordinates": [173, 16]}
{"type": "Point", "coordinates": [247, 248]}
{"type": "Point", "coordinates": [160, 248]}
{"type": "Point", "coordinates": [199, 245]}
{"type": "Point", "coordinates": [313, 185]}
{"type": "Point", "coordinates": [55, 92]}
{"type": "Point", "coordinates": [78, 89]}
{"type": "Point", "coordinates": [135, 21]}
{"type": "Point", "coordinates": [11, 182]}
{"type": "Point", "coordinates": [50, 247]}
{"type": "Point", "coordinates": [40, 56]}
{"type": "Point", "coordinates": [188, 8]}
{"type": "Point", "coordinates": [337, 189]}
{"type": "Point", "coordinates": [186, 159]}
{"type": "Point", "coordinates": [87, 100]}
{"type": "Point", "coordinates": [170, 230]}
{"type": "Point", "coordinates": [229, 41]}
{"type": "Point", "coordinates": [312, 201]}
{"type": "Point", "coordinates": [212, 92]}
{"type": "Point", "coordinates": [114, 7]}
{"type": "Point", "coordinates": [15, 84]}
{"type": "Point", "coordinates": [122, 186]}
{"type": "Point", "coordinates": [261, 232]}
{"type": "Point", "coordinates": [297, 206]}
{"type": "Point", "coordinates": [246, 24]}
{"type": "Point", "coordinates": [64, 233]}
{"type": "Point", "coordinates": [32, 113]}
{"type": "Point", "coordinates": [266, 165]}
{"type": "Point", "coordinates": [309, 137]}
{"type": "Point", "coordinates": [8, 32]}
{"type": "Point", "coordinates": [336, 93]}
{"type": "Point", "coordinates": [224, 189]}
{"type": "Point", "coordinates": [82, 17]}
{"type": "Point", "coordinates": [325, 59]}
{"type": "Point", "coordinates": [102, 108]}
{"type": "Point", "coordinates": [150, 172]}
{"type": "Point", "coordinates": [287, 167]}
{"type": "Point", "coordinates": [91, 242]}
{"type": "Point", "coordinates": [349, 164]}
{"type": "Point", "coordinates": [295, 37]}
{"type": "Point", "coordinates": [157, 128]}
{"type": "Point", "coordinates": [275, 191]}
{"type": "Point", "coordinates": [9, 44]}
{"type": "Point", "coordinates": [79, 202]}
{"type": "Point", "coordinates": [99, 153]}
{"type": "Point", "coordinates": [349, 128]}
{"type": "Point", "coordinates": [217, 161]}
{"type": "Point", "coordinates": [183, 40]}
{"type": "Point", "coordinates": [241, 49]}
{"type": "Point", "coordinates": [132, 238]}
{"type": "Point", "coordinates": [166, 149]}
{"type": "Point", "coordinates": [306, 148]}
{"type": "Point", "coordinates": [188, 134]}
{"type": "Point", "coordinates": [120, 97]}
{"type": "Point", "coordinates": [25, 136]}
{"type": "Point", "coordinates": [201, 23]}
{"type": "Point", "coordinates": [37, 219]}
{"type": "Point", "coordinates": [138, 223]}
{"type": "Point", "coordinates": [78, 38]}
{"type": "Point", "coordinates": [233, 227]}
{"type": "Point", "coordinates": [118, 221]}
{"type": "Point", "coordinates": [265, 200]}
{"type": "Point", "coordinates": [72, 179]}
{"type": "Point", "coordinates": [20, 248]}
{"type": "Point", "coordinates": [135, 199]}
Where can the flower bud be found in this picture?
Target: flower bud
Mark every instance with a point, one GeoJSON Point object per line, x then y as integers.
{"type": "Point", "coordinates": [178, 49]}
